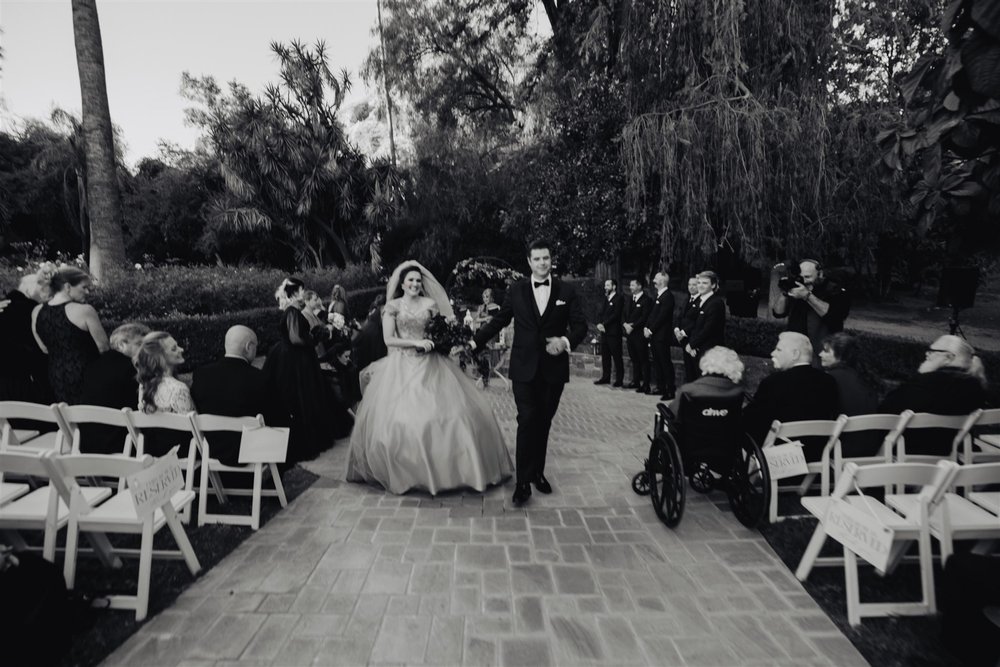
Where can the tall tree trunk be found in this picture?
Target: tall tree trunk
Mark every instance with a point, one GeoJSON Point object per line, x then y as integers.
{"type": "Point", "coordinates": [107, 245]}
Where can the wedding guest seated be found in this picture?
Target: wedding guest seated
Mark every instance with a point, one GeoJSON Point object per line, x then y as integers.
{"type": "Point", "coordinates": [369, 343]}
{"type": "Point", "coordinates": [230, 387]}
{"type": "Point", "coordinates": [159, 391]}
{"type": "Point", "coordinates": [856, 391]}
{"type": "Point", "coordinates": [110, 381]}
{"type": "Point", "coordinates": [950, 381]}
{"type": "Point", "coordinates": [343, 375]}
{"type": "Point", "coordinates": [795, 392]}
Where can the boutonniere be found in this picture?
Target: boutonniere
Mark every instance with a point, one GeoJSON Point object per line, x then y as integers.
{"type": "Point", "coordinates": [560, 302]}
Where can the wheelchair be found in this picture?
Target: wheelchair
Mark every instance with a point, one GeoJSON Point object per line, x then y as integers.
{"type": "Point", "coordinates": [710, 448]}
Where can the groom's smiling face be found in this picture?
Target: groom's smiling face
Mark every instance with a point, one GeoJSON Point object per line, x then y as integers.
{"type": "Point", "coordinates": [540, 261]}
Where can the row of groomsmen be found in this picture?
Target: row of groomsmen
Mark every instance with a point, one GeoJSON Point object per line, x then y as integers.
{"type": "Point", "coordinates": [647, 324]}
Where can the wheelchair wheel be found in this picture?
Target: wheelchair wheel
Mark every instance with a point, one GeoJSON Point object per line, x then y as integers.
{"type": "Point", "coordinates": [702, 479]}
{"type": "Point", "coordinates": [640, 483]}
{"type": "Point", "coordinates": [749, 487]}
{"type": "Point", "coordinates": [666, 479]}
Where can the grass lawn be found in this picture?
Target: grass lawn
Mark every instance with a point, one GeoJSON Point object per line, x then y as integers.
{"type": "Point", "coordinates": [100, 631]}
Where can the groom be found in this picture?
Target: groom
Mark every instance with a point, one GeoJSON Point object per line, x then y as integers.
{"type": "Point", "coordinates": [548, 322]}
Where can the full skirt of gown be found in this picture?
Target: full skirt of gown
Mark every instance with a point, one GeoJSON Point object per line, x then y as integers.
{"type": "Point", "coordinates": [423, 424]}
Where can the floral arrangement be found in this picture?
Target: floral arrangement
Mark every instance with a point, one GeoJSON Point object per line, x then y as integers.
{"type": "Point", "coordinates": [477, 272]}
{"type": "Point", "coordinates": [450, 336]}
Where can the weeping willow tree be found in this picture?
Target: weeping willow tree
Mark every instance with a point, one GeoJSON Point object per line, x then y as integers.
{"type": "Point", "coordinates": [729, 138]}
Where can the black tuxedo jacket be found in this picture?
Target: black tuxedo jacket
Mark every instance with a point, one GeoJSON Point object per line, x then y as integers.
{"type": "Point", "coordinates": [229, 387]}
{"type": "Point", "coordinates": [611, 315]}
{"type": "Point", "coordinates": [709, 327]}
{"type": "Point", "coordinates": [637, 312]}
{"type": "Point", "coordinates": [110, 381]}
{"type": "Point", "coordinates": [795, 394]}
{"type": "Point", "coordinates": [563, 316]}
{"type": "Point", "coordinates": [661, 317]}
{"type": "Point", "coordinates": [689, 315]}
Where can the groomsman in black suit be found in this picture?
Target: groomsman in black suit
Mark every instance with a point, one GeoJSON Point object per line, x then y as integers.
{"type": "Point", "coordinates": [548, 323]}
{"type": "Point", "coordinates": [231, 387]}
{"type": "Point", "coordinates": [709, 327]}
{"type": "Point", "coordinates": [610, 327]}
{"type": "Point", "coordinates": [688, 316]}
{"type": "Point", "coordinates": [636, 314]}
{"type": "Point", "coordinates": [659, 331]}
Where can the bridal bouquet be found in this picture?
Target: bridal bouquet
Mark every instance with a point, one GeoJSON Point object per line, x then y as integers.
{"type": "Point", "coordinates": [450, 336]}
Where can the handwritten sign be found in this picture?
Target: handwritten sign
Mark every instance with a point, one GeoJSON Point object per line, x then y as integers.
{"type": "Point", "coordinates": [858, 530]}
{"type": "Point", "coordinates": [153, 487]}
{"type": "Point", "coordinates": [263, 444]}
{"type": "Point", "coordinates": [786, 460]}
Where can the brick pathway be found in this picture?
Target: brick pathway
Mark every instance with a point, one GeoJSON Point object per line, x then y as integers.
{"type": "Point", "coordinates": [348, 575]}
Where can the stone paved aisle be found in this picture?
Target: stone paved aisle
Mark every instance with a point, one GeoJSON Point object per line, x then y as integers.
{"type": "Point", "coordinates": [348, 575]}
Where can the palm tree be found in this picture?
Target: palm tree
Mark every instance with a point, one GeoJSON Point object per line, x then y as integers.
{"type": "Point", "coordinates": [107, 245]}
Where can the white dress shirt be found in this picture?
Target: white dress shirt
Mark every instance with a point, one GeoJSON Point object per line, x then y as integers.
{"type": "Point", "coordinates": [541, 293]}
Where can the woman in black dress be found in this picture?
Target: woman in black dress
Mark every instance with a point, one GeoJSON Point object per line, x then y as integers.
{"type": "Point", "coordinates": [299, 396]}
{"type": "Point", "coordinates": [69, 331]}
{"type": "Point", "coordinates": [23, 367]}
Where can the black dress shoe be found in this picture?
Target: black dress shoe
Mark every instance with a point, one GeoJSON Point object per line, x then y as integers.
{"type": "Point", "coordinates": [542, 485]}
{"type": "Point", "coordinates": [617, 384]}
{"type": "Point", "coordinates": [642, 390]}
{"type": "Point", "coordinates": [521, 494]}
{"type": "Point", "coordinates": [669, 396]}
{"type": "Point", "coordinates": [631, 385]}
{"type": "Point", "coordinates": [602, 381]}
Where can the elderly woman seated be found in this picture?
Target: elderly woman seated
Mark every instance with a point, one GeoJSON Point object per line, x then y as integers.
{"type": "Point", "coordinates": [707, 412]}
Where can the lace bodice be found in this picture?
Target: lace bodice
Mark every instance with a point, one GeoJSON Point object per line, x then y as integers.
{"type": "Point", "coordinates": [171, 395]}
{"type": "Point", "coordinates": [410, 322]}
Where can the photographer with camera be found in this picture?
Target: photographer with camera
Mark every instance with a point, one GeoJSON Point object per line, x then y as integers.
{"type": "Point", "coordinates": [813, 305]}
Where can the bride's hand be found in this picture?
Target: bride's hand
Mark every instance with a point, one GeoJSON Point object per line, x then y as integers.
{"type": "Point", "coordinates": [425, 345]}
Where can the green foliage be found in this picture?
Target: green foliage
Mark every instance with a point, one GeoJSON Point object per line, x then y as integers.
{"type": "Point", "coordinates": [947, 145]}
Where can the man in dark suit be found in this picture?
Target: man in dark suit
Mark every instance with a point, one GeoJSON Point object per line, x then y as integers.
{"type": "Point", "coordinates": [230, 387]}
{"type": "Point", "coordinates": [689, 314]}
{"type": "Point", "coordinates": [637, 313]}
{"type": "Point", "coordinates": [796, 392]}
{"type": "Point", "coordinates": [110, 381]}
{"type": "Point", "coordinates": [548, 323]}
{"type": "Point", "coordinates": [709, 327]}
{"type": "Point", "coordinates": [658, 331]}
{"type": "Point", "coordinates": [610, 327]}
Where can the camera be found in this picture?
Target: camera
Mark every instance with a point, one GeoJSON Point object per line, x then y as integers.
{"type": "Point", "coordinates": [791, 279]}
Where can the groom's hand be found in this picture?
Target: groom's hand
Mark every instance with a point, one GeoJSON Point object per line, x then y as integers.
{"type": "Point", "coordinates": [555, 346]}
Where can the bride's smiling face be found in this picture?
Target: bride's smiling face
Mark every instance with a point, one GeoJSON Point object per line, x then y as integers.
{"type": "Point", "coordinates": [412, 283]}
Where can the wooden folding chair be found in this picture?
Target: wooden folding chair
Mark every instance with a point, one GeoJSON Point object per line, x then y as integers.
{"type": "Point", "coordinates": [119, 515]}
{"type": "Point", "coordinates": [28, 439]}
{"type": "Point", "coordinates": [914, 526]}
{"type": "Point", "coordinates": [885, 427]}
{"type": "Point", "coordinates": [203, 426]}
{"type": "Point", "coordinates": [984, 445]}
{"type": "Point", "coordinates": [786, 432]}
{"type": "Point", "coordinates": [167, 421]}
{"type": "Point", "coordinates": [42, 509]}
{"type": "Point", "coordinates": [958, 518]}
{"type": "Point", "coordinates": [74, 416]}
{"type": "Point", "coordinates": [960, 425]}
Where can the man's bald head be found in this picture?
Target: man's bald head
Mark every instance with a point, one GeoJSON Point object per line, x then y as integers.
{"type": "Point", "coordinates": [241, 341]}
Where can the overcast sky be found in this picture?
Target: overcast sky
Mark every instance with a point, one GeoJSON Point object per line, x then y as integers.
{"type": "Point", "coordinates": [148, 43]}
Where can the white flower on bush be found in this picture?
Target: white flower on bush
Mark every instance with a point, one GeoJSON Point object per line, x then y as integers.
{"type": "Point", "coordinates": [338, 321]}
{"type": "Point", "coordinates": [138, 266]}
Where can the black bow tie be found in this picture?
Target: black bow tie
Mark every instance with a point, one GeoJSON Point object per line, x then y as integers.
{"type": "Point", "coordinates": [544, 283]}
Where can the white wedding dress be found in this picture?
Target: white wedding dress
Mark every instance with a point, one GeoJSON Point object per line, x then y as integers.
{"type": "Point", "coordinates": [422, 424]}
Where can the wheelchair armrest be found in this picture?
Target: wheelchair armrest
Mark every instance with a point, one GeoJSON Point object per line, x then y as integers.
{"type": "Point", "coordinates": [666, 413]}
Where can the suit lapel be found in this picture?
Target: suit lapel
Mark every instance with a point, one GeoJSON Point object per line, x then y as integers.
{"type": "Point", "coordinates": [530, 296]}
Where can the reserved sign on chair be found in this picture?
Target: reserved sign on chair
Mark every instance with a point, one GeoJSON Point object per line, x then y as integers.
{"type": "Point", "coordinates": [264, 444]}
{"type": "Point", "coordinates": [859, 531]}
{"type": "Point", "coordinates": [153, 487]}
{"type": "Point", "coordinates": [787, 460]}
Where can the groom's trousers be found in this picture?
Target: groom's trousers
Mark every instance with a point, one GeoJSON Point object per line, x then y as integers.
{"type": "Point", "coordinates": [537, 402]}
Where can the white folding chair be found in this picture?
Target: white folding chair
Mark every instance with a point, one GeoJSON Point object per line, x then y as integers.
{"type": "Point", "coordinates": [958, 518]}
{"type": "Point", "coordinates": [886, 427]}
{"type": "Point", "coordinates": [984, 445]}
{"type": "Point", "coordinates": [786, 432]}
{"type": "Point", "coordinates": [41, 509]}
{"type": "Point", "coordinates": [913, 526]}
{"type": "Point", "coordinates": [73, 416]}
{"type": "Point", "coordinates": [203, 426]}
{"type": "Point", "coordinates": [960, 425]}
{"type": "Point", "coordinates": [118, 515]}
{"type": "Point", "coordinates": [167, 421]}
{"type": "Point", "coordinates": [11, 437]}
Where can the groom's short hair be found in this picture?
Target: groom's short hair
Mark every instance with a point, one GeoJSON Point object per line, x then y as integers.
{"type": "Point", "coordinates": [539, 244]}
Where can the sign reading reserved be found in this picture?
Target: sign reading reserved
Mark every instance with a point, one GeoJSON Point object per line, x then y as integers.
{"type": "Point", "coordinates": [859, 531]}
{"type": "Point", "coordinates": [152, 487]}
{"type": "Point", "coordinates": [786, 460]}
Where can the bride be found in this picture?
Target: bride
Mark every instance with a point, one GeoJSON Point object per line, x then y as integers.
{"type": "Point", "coordinates": [422, 423]}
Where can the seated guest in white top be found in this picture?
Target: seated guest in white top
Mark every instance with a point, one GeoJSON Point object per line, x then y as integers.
{"type": "Point", "coordinates": [159, 391]}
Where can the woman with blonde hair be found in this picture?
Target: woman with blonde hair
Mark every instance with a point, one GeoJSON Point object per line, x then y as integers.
{"type": "Point", "coordinates": [156, 362]}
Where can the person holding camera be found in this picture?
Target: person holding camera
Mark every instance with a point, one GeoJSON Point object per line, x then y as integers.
{"type": "Point", "coordinates": [814, 306]}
